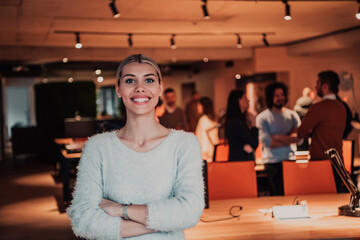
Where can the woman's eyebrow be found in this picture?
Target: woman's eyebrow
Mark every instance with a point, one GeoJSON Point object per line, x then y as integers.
{"type": "Point", "coordinates": [150, 74]}
{"type": "Point", "coordinates": [128, 75]}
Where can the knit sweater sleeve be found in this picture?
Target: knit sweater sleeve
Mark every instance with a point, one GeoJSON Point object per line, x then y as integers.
{"type": "Point", "coordinates": [264, 129]}
{"type": "Point", "coordinates": [184, 209]}
{"type": "Point", "coordinates": [87, 219]}
{"type": "Point", "coordinates": [311, 119]}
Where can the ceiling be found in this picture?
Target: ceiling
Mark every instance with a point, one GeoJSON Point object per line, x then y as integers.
{"type": "Point", "coordinates": [43, 31]}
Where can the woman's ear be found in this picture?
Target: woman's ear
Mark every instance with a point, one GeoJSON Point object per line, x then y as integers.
{"type": "Point", "coordinates": [117, 88]}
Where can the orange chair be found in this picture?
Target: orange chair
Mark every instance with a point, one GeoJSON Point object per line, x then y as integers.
{"type": "Point", "coordinates": [348, 155]}
{"type": "Point", "coordinates": [313, 177]}
{"type": "Point", "coordinates": [221, 153]}
{"type": "Point", "coordinates": [231, 180]}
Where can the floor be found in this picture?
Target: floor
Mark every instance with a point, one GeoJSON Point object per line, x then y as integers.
{"type": "Point", "coordinates": [30, 202]}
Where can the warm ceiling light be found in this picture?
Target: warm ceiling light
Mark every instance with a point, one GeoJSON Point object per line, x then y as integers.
{"type": "Point", "coordinates": [287, 10]}
{"type": "Point", "coordinates": [237, 76]}
{"type": "Point", "coordinates": [100, 79]}
{"type": "Point", "coordinates": [114, 9]}
{"type": "Point", "coordinates": [205, 11]}
{"type": "Point", "coordinates": [70, 79]}
{"type": "Point", "coordinates": [238, 41]}
{"type": "Point", "coordinates": [174, 59]}
{"type": "Point", "coordinates": [130, 40]}
{"type": "Point", "coordinates": [78, 44]}
{"type": "Point", "coordinates": [65, 60]}
{"type": "Point", "coordinates": [358, 13]}
{"type": "Point", "coordinates": [205, 59]}
{"type": "Point", "coordinates": [97, 71]}
{"type": "Point", "coordinates": [172, 42]}
{"type": "Point", "coordinates": [265, 40]}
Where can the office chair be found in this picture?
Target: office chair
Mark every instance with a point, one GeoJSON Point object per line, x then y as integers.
{"type": "Point", "coordinates": [312, 177]}
{"type": "Point", "coordinates": [231, 180]}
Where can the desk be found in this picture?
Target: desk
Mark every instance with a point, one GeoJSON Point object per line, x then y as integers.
{"type": "Point", "coordinates": [70, 154]}
{"type": "Point", "coordinates": [253, 224]}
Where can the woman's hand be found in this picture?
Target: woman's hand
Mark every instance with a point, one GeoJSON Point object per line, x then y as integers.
{"type": "Point", "coordinates": [110, 207]}
{"type": "Point", "coordinates": [247, 148]}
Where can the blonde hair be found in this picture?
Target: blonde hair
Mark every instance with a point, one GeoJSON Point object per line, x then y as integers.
{"type": "Point", "coordinates": [139, 58]}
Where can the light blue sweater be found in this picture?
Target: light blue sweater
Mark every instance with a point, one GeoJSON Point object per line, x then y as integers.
{"type": "Point", "coordinates": [270, 123]}
{"type": "Point", "coordinates": [168, 179]}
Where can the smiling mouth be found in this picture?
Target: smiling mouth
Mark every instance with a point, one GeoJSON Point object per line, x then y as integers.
{"type": "Point", "coordinates": [140, 100]}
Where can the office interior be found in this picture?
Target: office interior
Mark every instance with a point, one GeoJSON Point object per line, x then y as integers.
{"type": "Point", "coordinates": [233, 44]}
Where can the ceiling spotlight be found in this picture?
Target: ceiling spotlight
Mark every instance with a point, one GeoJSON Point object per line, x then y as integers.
{"type": "Point", "coordinates": [237, 76]}
{"type": "Point", "coordinates": [70, 79]}
{"type": "Point", "coordinates": [97, 71]}
{"type": "Point", "coordinates": [265, 40]}
{"type": "Point", "coordinates": [174, 59]}
{"type": "Point", "coordinates": [205, 11]}
{"type": "Point", "coordinates": [114, 9]}
{"type": "Point", "coordinates": [78, 44]}
{"type": "Point", "coordinates": [172, 42]}
{"type": "Point", "coordinates": [130, 40]}
{"type": "Point", "coordinates": [65, 60]}
{"type": "Point", "coordinates": [287, 10]}
{"type": "Point", "coordinates": [100, 79]}
{"type": "Point", "coordinates": [238, 41]}
{"type": "Point", "coordinates": [205, 59]}
{"type": "Point", "coordinates": [358, 13]}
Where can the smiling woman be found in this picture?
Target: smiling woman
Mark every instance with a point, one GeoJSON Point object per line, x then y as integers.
{"type": "Point", "coordinates": [143, 180]}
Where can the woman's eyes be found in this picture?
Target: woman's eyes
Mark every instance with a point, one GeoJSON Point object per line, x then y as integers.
{"type": "Point", "coordinates": [149, 80]}
{"type": "Point", "coordinates": [131, 80]}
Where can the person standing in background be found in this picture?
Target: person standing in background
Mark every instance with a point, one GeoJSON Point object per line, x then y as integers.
{"type": "Point", "coordinates": [349, 118]}
{"type": "Point", "coordinates": [303, 103]}
{"type": "Point", "coordinates": [206, 129]}
{"type": "Point", "coordinates": [302, 107]}
{"type": "Point", "coordinates": [191, 111]}
{"type": "Point", "coordinates": [277, 130]}
{"type": "Point", "coordinates": [325, 120]}
{"type": "Point", "coordinates": [173, 116]}
{"type": "Point", "coordinates": [240, 130]}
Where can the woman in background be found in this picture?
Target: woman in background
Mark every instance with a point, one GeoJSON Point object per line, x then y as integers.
{"type": "Point", "coordinates": [206, 129]}
{"type": "Point", "coordinates": [240, 130]}
{"type": "Point", "coordinates": [141, 181]}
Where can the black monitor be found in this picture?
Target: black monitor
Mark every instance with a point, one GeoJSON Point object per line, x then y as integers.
{"type": "Point", "coordinates": [83, 128]}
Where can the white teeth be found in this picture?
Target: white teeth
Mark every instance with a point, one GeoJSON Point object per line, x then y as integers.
{"type": "Point", "coordinates": [141, 99]}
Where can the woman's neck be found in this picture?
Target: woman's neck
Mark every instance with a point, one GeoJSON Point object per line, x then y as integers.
{"type": "Point", "coordinates": [140, 128]}
{"type": "Point", "coordinates": [142, 133]}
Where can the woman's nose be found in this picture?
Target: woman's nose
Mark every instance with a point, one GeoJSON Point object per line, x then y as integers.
{"type": "Point", "coordinates": [139, 88]}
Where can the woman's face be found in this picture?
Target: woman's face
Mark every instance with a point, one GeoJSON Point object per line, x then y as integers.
{"type": "Point", "coordinates": [139, 88]}
{"type": "Point", "coordinates": [244, 103]}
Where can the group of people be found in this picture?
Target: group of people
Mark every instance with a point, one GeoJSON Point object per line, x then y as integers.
{"type": "Point", "coordinates": [280, 127]}
{"type": "Point", "coordinates": [281, 130]}
{"type": "Point", "coordinates": [145, 180]}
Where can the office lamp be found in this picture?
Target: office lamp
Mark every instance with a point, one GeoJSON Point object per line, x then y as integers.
{"type": "Point", "coordinates": [352, 209]}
